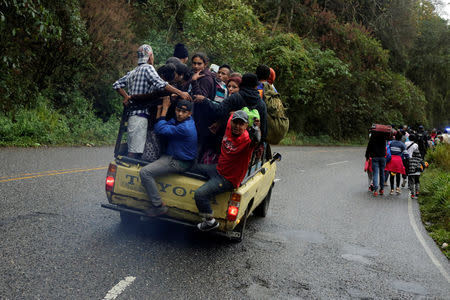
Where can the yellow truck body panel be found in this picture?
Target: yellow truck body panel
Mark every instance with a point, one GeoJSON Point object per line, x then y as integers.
{"type": "Point", "coordinates": [177, 192]}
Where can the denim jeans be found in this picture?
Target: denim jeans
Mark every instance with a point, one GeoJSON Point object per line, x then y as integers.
{"type": "Point", "coordinates": [216, 184]}
{"type": "Point", "coordinates": [163, 166]}
{"type": "Point", "coordinates": [378, 165]}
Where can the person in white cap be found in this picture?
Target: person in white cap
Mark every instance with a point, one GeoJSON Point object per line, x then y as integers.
{"type": "Point", "coordinates": [142, 80]}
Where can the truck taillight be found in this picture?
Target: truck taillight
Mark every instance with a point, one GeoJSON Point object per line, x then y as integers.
{"type": "Point", "coordinates": [232, 213]}
{"type": "Point", "coordinates": [233, 207]}
{"type": "Point", "coordinates": [111, 177]}
{"type": "Point", "coordinates": [110, 183]}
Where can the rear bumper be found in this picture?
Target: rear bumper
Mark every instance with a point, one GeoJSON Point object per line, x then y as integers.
{"type": "Point", "coordinates": [228, 234]}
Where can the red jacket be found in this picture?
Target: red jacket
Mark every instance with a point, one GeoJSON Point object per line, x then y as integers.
{"type": "Point", "coordinates": [235, 154]}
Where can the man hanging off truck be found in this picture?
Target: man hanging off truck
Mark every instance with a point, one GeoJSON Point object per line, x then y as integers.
{"type": "Point", "coordinates": [180, 154]}
{"type": "Point", "coordinates": [142, 80]}
{"type": "Point", "coordinates": [238, 144]}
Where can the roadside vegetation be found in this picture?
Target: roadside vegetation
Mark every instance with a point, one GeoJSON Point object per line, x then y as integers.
{"type": "Point", "coordinates": [434, 199]}
{"type": "Point", "coordinates": [299, 139]}
{"type": "Point", "coordinates": [341, 65]}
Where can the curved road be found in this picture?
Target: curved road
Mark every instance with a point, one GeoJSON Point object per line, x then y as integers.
{"type": "Point", "coordinates": [325, 237]}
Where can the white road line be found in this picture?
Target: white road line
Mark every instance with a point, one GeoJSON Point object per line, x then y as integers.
{"type": "Point", "coordinates": [276, 179]}
{"type": "Point", "coordinates": [337, 163]}
{"type": "Point", "coordinates": [119, 288]}
{"type": "Point", "coordinates": [422, 241]}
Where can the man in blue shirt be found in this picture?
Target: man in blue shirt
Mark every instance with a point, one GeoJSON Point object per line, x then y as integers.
{"type": "Point", "coordinates": [181, 150]}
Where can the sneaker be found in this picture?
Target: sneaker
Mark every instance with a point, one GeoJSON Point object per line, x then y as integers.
{"type": "Point", "coordinates": [412, 196]}
{"type": "Point", "coordinates": [205, 226]}
{"type": "Point", "coordinates": [403, 183]}
{"type": "Point", "coordinates": [381, 192]}
{"type": "Point", "coordinates": [398, 191]}
{"type": "Point", "coordinates": [392, 192]}
{"type": "Point", "coordinates": [155, 211]}
{"type": "Point", "coordinates": [417, 194]}
{"type": "Point", "coordinates": [375, 193]}
{"type": "Point", "coordinates": [371, 188]}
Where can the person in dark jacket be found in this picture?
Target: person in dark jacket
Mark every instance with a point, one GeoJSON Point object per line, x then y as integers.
{"type": "Point", "coordinates": [247, 96]}
{"type": "Point", "coordinates": [181, 150]}
{"type": "Point", "coordinates": [376, 149]}
{"type": "Point", "coordinates": [422, 141]}
{"type": "Point", "coordinates": [202, 83]}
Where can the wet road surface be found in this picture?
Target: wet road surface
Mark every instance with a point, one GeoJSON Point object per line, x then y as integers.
{"type": "Point", "coordinates": [325, 237]}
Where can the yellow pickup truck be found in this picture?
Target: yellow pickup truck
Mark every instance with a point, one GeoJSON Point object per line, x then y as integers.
{"type": "Point", "coordinates": [126, 194]}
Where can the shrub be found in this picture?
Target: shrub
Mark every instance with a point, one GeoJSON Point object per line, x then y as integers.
{"type": "Point", "coordinates": [435, 195]}
{"type": "Point", "coordinates": [440, 156]}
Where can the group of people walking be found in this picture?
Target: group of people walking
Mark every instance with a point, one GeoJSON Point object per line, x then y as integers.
{"type": "Point", "coordinates": [398, 154]}
{"type": "Point", "coordinates": [211, 123]}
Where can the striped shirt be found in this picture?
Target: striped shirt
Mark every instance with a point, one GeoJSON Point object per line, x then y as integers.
{"type": "Point", "coordinates": [398, 148]}
{"type": "Point", "coordinates": [142, 80]}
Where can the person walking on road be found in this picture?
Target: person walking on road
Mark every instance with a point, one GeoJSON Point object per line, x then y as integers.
{"type": "Point", "coordinates": [376, 149]}
{"type": "Point", "coordinates": [395, 165]}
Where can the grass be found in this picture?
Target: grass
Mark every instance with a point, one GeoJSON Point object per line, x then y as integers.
{"type": "Point", "coordinates": [434, 199]}
{"type": "Point", "coordinates": [299, 139]}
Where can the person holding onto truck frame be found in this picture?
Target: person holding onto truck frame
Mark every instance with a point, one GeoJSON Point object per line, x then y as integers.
{"type": "Point", "coordinates": [180, 154]}
{"type": "Point", "coordinates": [142, 80]}
{"type": "Point", "coordinates": [238, 144]}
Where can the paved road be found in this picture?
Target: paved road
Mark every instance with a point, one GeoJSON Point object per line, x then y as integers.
{"type": "Point", "coordinates": [324, 237]}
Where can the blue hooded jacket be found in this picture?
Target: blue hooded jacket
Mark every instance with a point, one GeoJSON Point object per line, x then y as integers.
{"type": "Point", "coordinates": [182, 137]}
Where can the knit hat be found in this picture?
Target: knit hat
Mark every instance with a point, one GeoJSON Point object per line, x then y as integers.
{"type": "Point", "coordinates": [249, 80]}
{"type": "Point", "coordinates": [144, 53]}
{"type": "Point", "coordinates": [180, 51]}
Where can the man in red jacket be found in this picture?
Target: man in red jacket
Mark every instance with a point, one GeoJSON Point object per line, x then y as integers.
{"type": "Point", "coordinates": [238, 144]}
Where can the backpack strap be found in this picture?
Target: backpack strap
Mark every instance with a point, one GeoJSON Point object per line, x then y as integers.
{"type": "Point", "coordinates": [407, 148]}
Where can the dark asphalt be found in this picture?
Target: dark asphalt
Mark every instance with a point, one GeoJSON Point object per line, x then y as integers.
{"type": "Point", "coordinates": [325, 237]}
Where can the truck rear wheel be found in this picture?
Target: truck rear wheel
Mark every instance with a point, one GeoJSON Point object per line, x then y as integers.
{"type": "Point", "coordinates": [128, 218]}
{"type": "Point", "coordinates": [263, 207]}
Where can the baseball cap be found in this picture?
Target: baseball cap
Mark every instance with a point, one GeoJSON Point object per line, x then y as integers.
{"type": "Point", "coordinates": [144, 52]}
{"type": "Point", "coordinates": [184, 105]}
{"type": "Point", "coordinates": [240, 114]}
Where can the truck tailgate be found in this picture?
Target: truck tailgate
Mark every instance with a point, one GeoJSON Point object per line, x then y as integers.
{"type": "Point", "coordinates": [176, 190]}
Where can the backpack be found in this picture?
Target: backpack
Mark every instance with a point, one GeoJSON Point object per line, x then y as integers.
{"type": "Point", "coordinates": [384, 130]}
{"type": "Point", "coordinates": [252, 114]}
{"type": "Point", "coordinates": [388, 153]}
{"type": "Point", "coordinates": [277, 121]}
{"type": "Point", "coordinates": [421, 141]}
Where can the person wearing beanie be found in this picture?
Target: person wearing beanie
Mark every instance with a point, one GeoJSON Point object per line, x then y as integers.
{"type": "Point", "coordinates": [180, 51]}
{"type": "Point", "coordinates": [142, 80]}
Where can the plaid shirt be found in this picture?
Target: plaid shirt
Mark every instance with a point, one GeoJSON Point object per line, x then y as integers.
{"type": "Point", "coordinates": [142, 80]}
